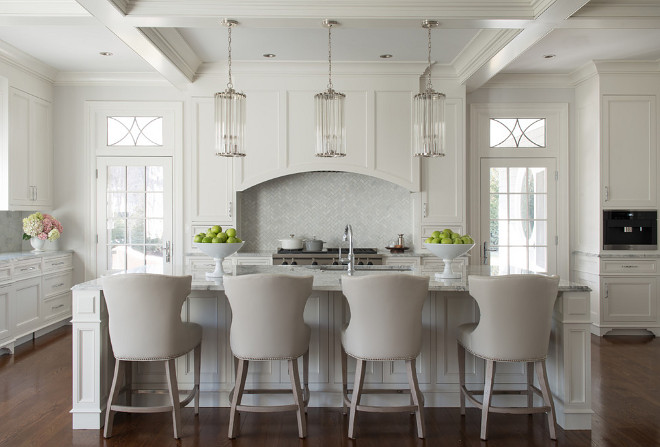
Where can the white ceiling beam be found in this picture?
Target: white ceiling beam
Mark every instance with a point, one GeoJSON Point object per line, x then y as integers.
{"type": "Point", "coordinates": [557, 13]}
{"type": "Point", "coordinates": [114, 19]}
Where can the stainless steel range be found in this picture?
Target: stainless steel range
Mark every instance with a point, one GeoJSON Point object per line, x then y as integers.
{"type": "Point", "coordinates": [363, 256]}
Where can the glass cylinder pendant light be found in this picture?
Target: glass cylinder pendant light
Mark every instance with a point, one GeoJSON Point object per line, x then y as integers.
{"type": "Point", "coordinates": [230, 114]}
{"type": "Point", "coordinates": [429, 114]}
{"type": "Point", "coordinates": [330, 125]}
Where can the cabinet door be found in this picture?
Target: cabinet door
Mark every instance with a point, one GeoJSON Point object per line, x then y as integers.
{"type": "Point", "coordinates": [27, 304]}
{"type": "Point", "coordinates": [20, 188]}
{"type": "Point", "coordinates": [443, 195]}
{"type": "Point", "coordinates": [5, 312]}
{"type": "Point", "coordinates": [211, 177]}
{"type": "Point", "coordinates": [629, 299]}
{"type": "Point", "coordinates": [629, 151]}
{"type": "Point", "coordinates": [41, 152]}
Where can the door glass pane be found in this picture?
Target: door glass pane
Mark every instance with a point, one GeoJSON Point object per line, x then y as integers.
{"type": "Point", "coordinates": [116, 205]}
{"type": "Point", "coordinates": [518, 257]}
{"type": "Point", "coordinates": [116, 178]}
{"type": "Point", "coordinates": [539, 178]}
{"type": "Point", "coordinates": [155, 231]}
{"type": "Point", "coordinates": [518, 231]}
{"type": "Point", "coordinates": [135, 205]}
{"type": "Point", "coordinates": [117, 257]}
{"type": "Point", "coordinates": [517, 180]}
{"type": "Point", "coordinates": [116, 231]}
{"type": "Point", "coordinates": [539, 232]}
{"type": "Point", "coordinates": [155, 204]}
{"type": "Point", "coordinates": [498, 206]}
{"type": "Point", "coordinates": [498, 180]}
{"type": "Point", "coordinates": [154, 178]}
{"type": "Point", "coordinates": [499, 258]}
{"type": "Point", "coordinates": [134, 256]}
{"type": "Point", "coordinates": [538, 259]}
{"type": "Point", "coordinates": [135, 178]}
{"type": "Point", "coordinates": [136, 231]}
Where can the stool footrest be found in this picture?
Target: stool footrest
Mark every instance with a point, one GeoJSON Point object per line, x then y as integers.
{"type": "Point", "coordinates": [266, 409]}
{"type": "Point", "coordinates": [469, 394]}
{"type": "Point", "coordinates": [133, 409]}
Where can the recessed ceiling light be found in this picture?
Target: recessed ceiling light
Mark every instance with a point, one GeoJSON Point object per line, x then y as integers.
{"type": "Point", "coordinates": [385, 56]}
{"type": "Point", "coordinates": [105, 53]}
{"type": "Point", "coordinates": [549, 56]}
{"type": "Point", "coordinates": [270, 55]}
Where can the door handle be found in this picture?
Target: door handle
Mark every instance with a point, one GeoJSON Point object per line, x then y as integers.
{"type": "Point", "coordinates": [167, 251]}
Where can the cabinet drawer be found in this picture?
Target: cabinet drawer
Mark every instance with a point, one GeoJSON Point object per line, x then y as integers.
{"type": "Point", "coordinates": [58, 263]}
{"type": "Point", "coordinates": [27, 268]}
{"type": "Point", "coordinates": [198, 268]}
{"type": "Point", "coordinates": [412, 261]}
{"type": "Point", "coordinates": [57, 306]}
{"type": "Point", "coordinates": [5, 272]}
{"type": "Point", "coordinates": [633, 267]}
{"type": "Point", "coordinates": [58, 283]}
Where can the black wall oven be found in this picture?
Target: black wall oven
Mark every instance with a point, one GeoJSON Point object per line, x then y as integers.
{"type": "Point", "coordinates": [630, 230]}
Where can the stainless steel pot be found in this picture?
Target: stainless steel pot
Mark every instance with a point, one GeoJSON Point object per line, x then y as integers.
{"type": "Point", "coordinates": [313, 244]}
{"type": "Point", "coordinates": [292, 243]}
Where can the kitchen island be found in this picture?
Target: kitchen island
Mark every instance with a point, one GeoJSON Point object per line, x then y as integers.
{"type": "Point", "coordinates": [447, 306]}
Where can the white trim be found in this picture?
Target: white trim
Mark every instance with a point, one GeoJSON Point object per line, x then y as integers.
{"type": "Point", "coordinates": [26, 63]}
{"type": "Point", "coordinates": [99, 79]}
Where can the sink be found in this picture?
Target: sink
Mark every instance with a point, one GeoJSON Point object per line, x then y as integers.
{"type": "Point", "coordinates": [370, 268]}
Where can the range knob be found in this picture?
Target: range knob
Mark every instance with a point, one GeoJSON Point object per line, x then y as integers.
{"type": "Point", "coordinates": [370, 263]}
{"type": "Point", "coordinates": [293, 262]}
{"type": "Point", "coordinates": [334, 262]}
{"type": "Point", "coordinates": [314, 262]}
{"type": "Point", "coordinates": [284, 262]}
{"type": "Point", "coordinates": [360, 262]}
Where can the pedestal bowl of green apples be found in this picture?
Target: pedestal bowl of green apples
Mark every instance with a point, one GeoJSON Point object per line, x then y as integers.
{"type": "Point", "coordinates": [448, 245]}
{"type": "Point", "coordinates": [218, 244]}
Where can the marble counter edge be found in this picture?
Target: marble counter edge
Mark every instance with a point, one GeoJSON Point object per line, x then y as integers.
{"type": "Point", "coordinates": [623, 255]}
{"type": "Point", "coordinates": [12, 256]}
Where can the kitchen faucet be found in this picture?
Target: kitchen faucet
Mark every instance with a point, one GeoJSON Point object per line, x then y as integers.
{"type": "Point", "coordinates": [348, 235]}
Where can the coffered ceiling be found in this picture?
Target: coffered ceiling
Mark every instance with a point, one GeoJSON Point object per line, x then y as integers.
{"type": "Point", "coordinates": [178, 40]}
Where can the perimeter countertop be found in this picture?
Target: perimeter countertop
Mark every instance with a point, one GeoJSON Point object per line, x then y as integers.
{"type": "Point", "coordinates": [18, 255]}
{"type": "Point", "coordinates": [330, 280]}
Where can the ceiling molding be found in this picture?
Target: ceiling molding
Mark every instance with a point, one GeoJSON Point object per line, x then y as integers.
{"type": "Point", "coordinates": [122, 5]}
{"type": "Point", "coordinates": [529, 80]}
{"type": "Point", "coordinates": [26, 63]}
{"type": "Point", "coordinates": [288, 68]}
{"type": "Point", "coordinates": [584, 73]}
{"type": "Point", "coordinates": [559, 11]}
{"type": "Point", "coordinates": [627, 67]}
{"type": "Point", "coordinates": [110, 79]}
{"type": "Point", "coordinates": [175, 48]}
{"type": "Point", "coordinates": [40, 8]}
{"type": "Point", "coordinates": [110, 16]}
{"type": "Point", "coordinates": [482, 48]}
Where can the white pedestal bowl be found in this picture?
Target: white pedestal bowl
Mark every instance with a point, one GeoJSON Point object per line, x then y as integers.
{"type": "Point", "coordinates": [218, 252]}
{"type": "Point", "coordinates": [448, 252]}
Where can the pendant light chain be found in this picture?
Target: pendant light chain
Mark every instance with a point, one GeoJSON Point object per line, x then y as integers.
{"type": "Point", "coordinates": [229, 84]}
{"type": "Point", "coordinates": [429, 87]}
{"type": "Point", "coordinates": [330, 57]}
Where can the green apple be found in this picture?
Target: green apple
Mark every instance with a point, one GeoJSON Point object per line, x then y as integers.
{"type": "Point", "coordinates": [231, 240]}
{"type": "Point", "coordinates": [216, 240]}
{"type": "Point", "coordinates": [447, 240]}
{"type": "Point", "coordinates": [238, 239]}
{"type": "Point", "coordinates": [436, 233]}
{"type": "Point", "coordinates": [458, 240]}
{"type": "Point", "coordinates": [455, 236]}
{"type": "Point", "coordinates": [216, 228]}
{"type": "Point", "coordinates": [467, 240]}
{"type": "Point", "coordinates": [207, 240]}
{"type": "Point", "coordinates": [447, 230]}
{"type": "Point", "coordinates": [211, 233]}
{"type": "Point", "coordinates": [198, 238]}
{"type": "Point", "coordinates": [231, 232]}
{"type": "Point", "coordinates": [436, 240]}
{"type": "Point", "coordinates": [429, 240]}
{"type": "Point", "coordinates": [223, 237]}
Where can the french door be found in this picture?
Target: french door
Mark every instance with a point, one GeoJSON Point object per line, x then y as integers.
{"type": "Point", "coordinates": [519, 214]}
{"type": "Point", "coordinates": [134, 214]}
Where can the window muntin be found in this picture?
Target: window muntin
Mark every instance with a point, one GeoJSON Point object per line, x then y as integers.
{"type": "Point", "coordinates": [135, 131]}
{"type": "Point", "coordinates": [517, 132]}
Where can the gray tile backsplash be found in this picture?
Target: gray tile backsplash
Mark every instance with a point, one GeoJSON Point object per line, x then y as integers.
{"type": "Point", "coordinates": [321, 204]}
{"type": "Point", "coordinates": [11, 231]}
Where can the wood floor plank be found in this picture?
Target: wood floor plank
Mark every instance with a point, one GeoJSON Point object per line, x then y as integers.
{"type": "Point", "coordinates": [35, 399]}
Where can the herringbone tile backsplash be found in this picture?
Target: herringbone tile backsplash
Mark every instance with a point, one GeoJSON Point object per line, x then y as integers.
{"type": "Point", "coordinates": [321, 204]}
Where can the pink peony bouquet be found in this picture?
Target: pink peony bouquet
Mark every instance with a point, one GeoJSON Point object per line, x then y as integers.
{"type": "Point", "coordinates": [42, 226]}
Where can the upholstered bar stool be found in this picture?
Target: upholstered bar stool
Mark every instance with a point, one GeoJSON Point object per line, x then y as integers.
{"type": "Point", "coordinates": [267, 324]}
{"type": "Point", "coordinates": [144, 313]}
{"type": "Point", "coordinates": [385, 325]}
{"type": "Point", "coordinates": [515, 323]}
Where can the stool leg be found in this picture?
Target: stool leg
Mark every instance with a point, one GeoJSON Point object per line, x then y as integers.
{"type": "Point", "coordinates": [461, 376]}
{"type": "Point", "coordinates": [306, 379]}
{"type": "Point", "coordinates": [128, 382]}
{"type": "Point", "coordinates": [488, 390]}
{"type": "Point", "coordinates": [241, 374]}
{"type": "Point", "coordinates": [297, 397]}
{"type": "Point", "coordinates": [114, 392]}
{"type": "Point", "coordinates": [170, 370]}
{"type": "Point", "coordinates": [542, 376]}
{"type": "Point", "coordinates": [530, 383]}
{"type": "Point", "coordinates": [197, 359]}
{"type": "Point", "coordinates": [416, 395]}
{"type": "Point", "coordinates": [357, 394]}
{"type": "Point", "coordinates": [344, 380]}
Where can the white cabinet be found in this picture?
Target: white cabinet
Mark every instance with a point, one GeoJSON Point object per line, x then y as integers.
{"type": "Point", "coordinates": [6, 319]}
{"type": "Point", "coordinates": [443, 179]}
{"type": "Point", "coordinates": [30, 178]}
{"type": "Point", "coordinates": [211, 177]}
{"type": "Point", "coordinates": [27, 305]}
{"type": "Point", "coordinates": [629, 169]}
{"type": "Point", "coordinates": [629, 299]}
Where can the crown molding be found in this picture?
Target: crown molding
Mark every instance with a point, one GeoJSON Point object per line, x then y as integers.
{"type": "Point", "coordinates": [26, 63]}
{"type": "Point", "coordinates": [99, 79]}
{"type": "Point", "coordinates": [40, 8]}
{"type": "Point", "coordinates": [480, 50]}
{"type": "Point", "coordinates": [584, 73]}
{"type": "Point", "coordinates": [627, 67]}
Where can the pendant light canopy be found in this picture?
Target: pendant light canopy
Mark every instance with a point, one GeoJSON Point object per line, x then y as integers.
{"type": "Point", "coordinates": [429, 113]}
{"type": "Point", "coordinates": [330, 124]}
{"type": "Point", "coordinates": [230, 114]}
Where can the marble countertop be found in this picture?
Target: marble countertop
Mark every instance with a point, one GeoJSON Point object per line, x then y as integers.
{"type": "Point", "coordinates": [623, 254]}
{"type": "Point", "coordinates": [269, 253]}
{"type": "Point", "coordinates": [18, 255]}
{"type": "Point", "coordinates": [330, 280]}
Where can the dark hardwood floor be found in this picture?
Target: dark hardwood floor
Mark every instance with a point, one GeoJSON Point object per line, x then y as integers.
{"type": "Point", "coordinates": [35, 399]}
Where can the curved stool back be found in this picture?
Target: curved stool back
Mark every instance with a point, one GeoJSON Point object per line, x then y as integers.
{"type": "Point", "coordinates": [514, 326]}
{"type": "Point", "coordinates": [267, 324]}
{"type": "Point", "coordinates": [144, 322]}
{"type": "Point", "coordinates": [385, 325]}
